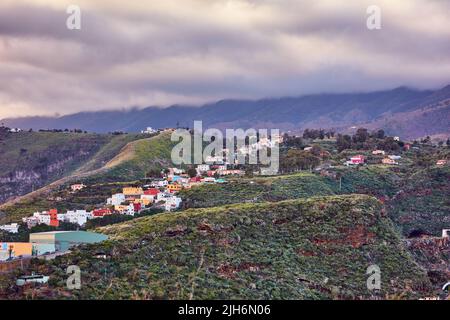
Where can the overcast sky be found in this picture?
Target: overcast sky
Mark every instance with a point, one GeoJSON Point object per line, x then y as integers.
{"type": "Point", "coordinates": [162, 52]}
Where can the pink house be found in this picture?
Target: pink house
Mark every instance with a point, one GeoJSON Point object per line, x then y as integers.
{"type": "Point", "coordinates": [357, 159]}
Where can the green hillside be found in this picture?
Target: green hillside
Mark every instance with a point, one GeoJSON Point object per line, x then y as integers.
{"type": "Point", "coordinates": [371, 180]}
{"type": "Point", "coordinates": [136, 159]}
{"type": "Point", "coordinates": [424, 201]}
{"type": "Point", "coordinates": [315, 248]}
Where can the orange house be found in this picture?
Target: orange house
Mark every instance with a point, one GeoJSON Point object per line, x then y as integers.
{"type": "Point", "coordinates": [173, 188]}
{"type": "Point", "coordinates": [17, 248]}
{"type": "Point", "coordinates": [54, 218]}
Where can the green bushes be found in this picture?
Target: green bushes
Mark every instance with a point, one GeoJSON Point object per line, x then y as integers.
{"type": "Point", "coordinates": [298, 249]}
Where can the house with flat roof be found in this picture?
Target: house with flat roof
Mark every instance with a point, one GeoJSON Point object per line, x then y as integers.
{"type": "Point", "coordinates": [63, 240]}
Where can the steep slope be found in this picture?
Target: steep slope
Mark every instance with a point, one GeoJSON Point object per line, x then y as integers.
{"type": "Point", "coordinates": [423, 204]}
{"type": "Point", "coordinates": [300, 249]}
{"type": "Point", "coordinates": [125, 163]}
{"type": "Point", "coordinates": [29, 160]}
{"type": "Point", "coordinates": [289, 113]}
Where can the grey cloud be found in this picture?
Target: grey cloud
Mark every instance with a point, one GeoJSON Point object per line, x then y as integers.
{"type": "Point", "coordinates": [266, 48]}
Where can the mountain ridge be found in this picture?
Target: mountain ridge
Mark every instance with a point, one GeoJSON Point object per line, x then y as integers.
{"type": "Point", "coordinates": [328, 110]}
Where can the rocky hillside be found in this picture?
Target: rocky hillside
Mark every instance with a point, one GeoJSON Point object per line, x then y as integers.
{"type": "Point", "coordinates": [30, 160]}
{"type": "Point", "coordinates": [298, 249]}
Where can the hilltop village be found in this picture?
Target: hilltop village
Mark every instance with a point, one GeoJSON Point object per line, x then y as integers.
{"type": "Point", "coordinates": [343, 164]}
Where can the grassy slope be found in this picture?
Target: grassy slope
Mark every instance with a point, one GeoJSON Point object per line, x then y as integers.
{"type": "Point", "coordinates": [298, 249]}
{"type": "Point", "coordinates": [136, 159]}
{"type": "Point", "coordinates": [30, 160]}
{"type": "Point", "coordinates": [424, 201]}
{"type": "Point", "coordinates": [378, 181]}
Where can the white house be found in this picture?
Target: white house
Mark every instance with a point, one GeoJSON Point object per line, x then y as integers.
{"type": "Point", "coordinates": [15, 130]}
{"type": "Point", "coordinates": [79, 217]}
{"type": "Point", "coordinates": [116, 199]}
{"type": "Point", "coordinates": [162, 196]}
{"type": "Point", "coordinates": [159, 183]}
{"type": "Point", "coordinates": [11, 228]}
{"type": "Point", "coordinates": [216, 159]}
{"type": "Point", "coordinates": [42, 217]}
{"type": "Point", "coordinates": [202, 168]}
{"type": "Point", "coordinates": [149, 130]}
{"type": "Point", "coordinates": [446, 233]}
{"type": "Point", "coordinates": [31, 221]}
{"type": "Point", "coordinates": [394, 157]}
{"type": "Point", "coordinates": [172, 203]}
{"type": "Point", "coordinates": [76, 187]}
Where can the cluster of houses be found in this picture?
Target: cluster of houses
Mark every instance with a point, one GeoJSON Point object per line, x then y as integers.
{"type": "Point", "coordinates": [160, 193]}
{"type": "Point", "coordinates": [361, 159]}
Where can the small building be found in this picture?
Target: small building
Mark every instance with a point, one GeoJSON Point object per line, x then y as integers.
{"type": "Point", "coordinates": [230, 172]}
{"type": "Point", "coordinates": [394, 157]}
{"type": "Point", "coordinates": [127, 209]}
{"type": "Point", "coordinates": [64, 240]}
{"type": "Point", "coordinates": [441, 162]}
{"type": "Point", "coordinates": [389, 161]}
{"type": "Point", "coordinates": [116, 199]}
{"type": "Point", "coordinates": [172, 203]}
{"type": "Point", "coordinates": [174, 188]}
{"type": "Point", "coordinates": [34, 278]}
{"type": "Point", "coordinates": [446, 233]}
{"type": "Point", "coordinates": [201, 168]}
{"type": "Point", "coordinates": [396, 138]}
{"type": "Point", "coordinates": [358, 159]}
{"type": "Point", "coordinates": [79, 217]}
{"type": "Point", "coordinates": [76, 187]}
{"type": "Point", "coordinates": [11, 228]}
{"type": "Point", "coordinates": [15, 249]}
{"type": "Point", "coordinates": [132, 191]}
{"type": "Point", "coordinates": [149, 130]}
{"type": "Point", "coordinates": [378, 152]}
{"type": "Point", "coordinates": [152, 192]}
{"type": "Point", "coordinates": [100, 213]}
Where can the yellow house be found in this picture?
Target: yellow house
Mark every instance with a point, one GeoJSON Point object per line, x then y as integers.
{"type": "Point", "coordinates": [144, 201]}
{"type": "Point", "coordinates": [174, 187]}
{"type": "Point", "coordinates": [131, 191]}
{"type": "Point", "coordinates": [121, 207]}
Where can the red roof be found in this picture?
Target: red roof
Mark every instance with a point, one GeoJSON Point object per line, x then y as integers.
{"type": "Point", "coordinates": [101, 212]}
{"type": "Point", "coordinates": [152, 192]}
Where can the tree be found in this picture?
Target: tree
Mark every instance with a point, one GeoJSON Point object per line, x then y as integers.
{"type": "Point", "coordinates": [192, 172]}
{"type": "Point", "coordinates": [380, 134]}
{"type": "Point", "coordinates": [153, 173]}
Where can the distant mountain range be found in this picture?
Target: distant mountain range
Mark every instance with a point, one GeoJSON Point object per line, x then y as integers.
{"type": "Point", "coordinates": [402, 111]}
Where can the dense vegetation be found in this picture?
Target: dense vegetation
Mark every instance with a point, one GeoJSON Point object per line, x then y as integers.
{"type": "Point", "coordinates": [317, 248]}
